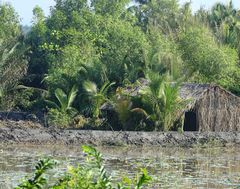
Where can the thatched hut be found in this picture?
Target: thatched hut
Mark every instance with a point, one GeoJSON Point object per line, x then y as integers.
{"type": "Point", "coordinates": [209, 108]}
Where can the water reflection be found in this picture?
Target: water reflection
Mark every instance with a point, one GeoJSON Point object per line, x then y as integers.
{"type": "Point", "coordinates": [170, 167]}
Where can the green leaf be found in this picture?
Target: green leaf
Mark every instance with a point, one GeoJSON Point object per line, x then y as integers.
{"type": "Point", "coordinates": [72, 95]}
{"type": "Point", "coordinates": [90, 87]}
{"type": "Point", "coordinates": [105, 87]}
{"type": "Point", "coordinates": [144, 179]}
{"type": "Point", "coordinates": [62, 98]}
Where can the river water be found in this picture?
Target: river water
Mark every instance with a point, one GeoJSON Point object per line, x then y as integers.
{"type": "Point", "coordinates": [182, 168]}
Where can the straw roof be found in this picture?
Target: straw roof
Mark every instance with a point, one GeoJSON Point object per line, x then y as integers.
{"type": "Point", "coordinates": [192, 92]}
{"type": "Point", "coordinates": [187, 91]}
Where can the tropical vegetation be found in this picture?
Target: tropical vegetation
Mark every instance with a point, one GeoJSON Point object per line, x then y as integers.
{"type": "Point", "coordinates": [75, 64]}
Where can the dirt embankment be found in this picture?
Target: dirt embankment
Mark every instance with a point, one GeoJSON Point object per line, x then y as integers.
{"type": "Point", "coordinates": [27, 132]}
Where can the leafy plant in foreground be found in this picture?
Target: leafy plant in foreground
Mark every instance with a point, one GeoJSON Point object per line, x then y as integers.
{"type": "Point", "coordinates": [39, 180]}
{"type": "Point", "coordinates": [91, 175]}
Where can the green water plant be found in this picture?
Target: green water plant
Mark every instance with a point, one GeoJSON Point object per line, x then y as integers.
{"type": "Point", "coordinates": [91, 175]}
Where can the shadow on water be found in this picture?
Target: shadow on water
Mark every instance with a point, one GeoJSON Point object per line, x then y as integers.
{"type": "Point", "coordinates": [170, 167]}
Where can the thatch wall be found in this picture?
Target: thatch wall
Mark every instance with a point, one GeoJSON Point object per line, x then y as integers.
{"type": "Point", "coordinates": [218, 110]}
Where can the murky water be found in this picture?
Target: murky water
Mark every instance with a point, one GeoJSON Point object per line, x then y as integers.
{"type": "Point", "coordinates": [170, 167]}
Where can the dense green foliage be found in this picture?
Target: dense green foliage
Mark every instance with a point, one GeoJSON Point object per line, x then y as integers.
{"type": "Point", "coordinates": [91, 175]}
{"type": "Point", "coordinates": [13, 63]}
{"type": "Point", "coordinates": [92, 44]}
{"type": "Point", "coordinates": [161, 99]}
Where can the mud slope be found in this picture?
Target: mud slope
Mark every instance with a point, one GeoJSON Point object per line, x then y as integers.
{"type": "Point", "coordinates": [27, 132]}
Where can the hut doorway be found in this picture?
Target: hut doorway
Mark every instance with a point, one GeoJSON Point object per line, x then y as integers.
{"type": "Point", "coordinates": [190, 121]}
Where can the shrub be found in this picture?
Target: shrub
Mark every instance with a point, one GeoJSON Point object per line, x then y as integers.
{"type": "Point", "coordinates": [91, 175]}
{"type": "Point", "coordinates": [58, 118]}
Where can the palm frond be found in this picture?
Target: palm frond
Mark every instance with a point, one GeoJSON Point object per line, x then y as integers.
{"type": "Point", "coordinates": [106, 87]}
{"type": "Point", "coordinates": [62, 98]}
{"type": "Point", "coordinates": [141, 111]}
{"type": "Point", "coordinates": [52, 104]}
{"type": "Point", "coordinates": [90, 87]}
{"type": "Point", "coordinates": [103, 87]}
{"type": "Point", "coordinates": [7, 53]}
{"type": "Point", "coordinates": [34, 88]}
{"type": "Point", "coordinates": [71, 96]}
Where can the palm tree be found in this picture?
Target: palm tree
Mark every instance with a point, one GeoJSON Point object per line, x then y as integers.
{"type": "Point", "coordinates": [161, 95]}
{"type": "Point", "coordinates": [97, 96]}
{"type": "Point", "coordinates": [172, 104]}
{"type": "Point", "coordinates": [65, 101]}
{"type": "Point", "coordinates": [226, 23]}
{"type": "Point", "coordinates": [123, 106]}
{"type": "Point", "coordinates": [62, 112]}
{"type": "Point", "coordinates": [152, 98]}
{"type": "Point", "coordinates": [13, 66]}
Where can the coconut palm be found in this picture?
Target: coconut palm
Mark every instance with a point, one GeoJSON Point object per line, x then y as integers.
{"type": "Point", "coordinates": [152, 98]}
{"type": "Point", "coordinates": [97, 96]}
{"type": "Point", "coordinates": [161, 98]}
{"type": "Point", "coordinates": [123, 106]}
{"type": "Point", "coordinates": [65, 101]}
{"type": "Point", "coordinates": [172, 104]}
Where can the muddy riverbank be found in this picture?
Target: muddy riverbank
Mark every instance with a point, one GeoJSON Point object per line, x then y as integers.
{"type": "Point", "coordinates": [27, 132]}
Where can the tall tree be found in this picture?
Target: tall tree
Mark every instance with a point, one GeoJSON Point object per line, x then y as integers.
{"type": "Point", "coordinates": [36, 38]}
{"type": "Point", "coordinates": [159, 13]}
{"type": "Point", "coordinates": [13, 63]}
{"type": "Point", "coordinates": [205, 59]}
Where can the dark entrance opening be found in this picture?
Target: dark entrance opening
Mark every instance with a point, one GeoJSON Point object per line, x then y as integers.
{"type": "Point", "coordinates": [190, 121]}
